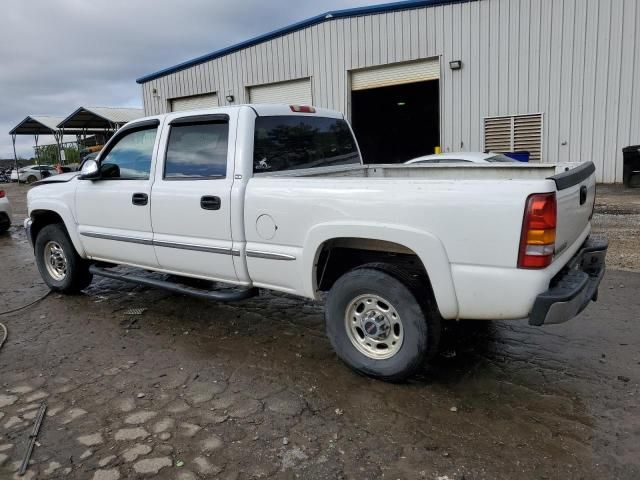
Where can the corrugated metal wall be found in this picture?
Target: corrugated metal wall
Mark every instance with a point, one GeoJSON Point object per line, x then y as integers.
{"type": "Point", "coordinates": [576, 61]}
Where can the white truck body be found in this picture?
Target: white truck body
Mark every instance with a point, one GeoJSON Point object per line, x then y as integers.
{"type": "Point", "coordinates": [463, 222]}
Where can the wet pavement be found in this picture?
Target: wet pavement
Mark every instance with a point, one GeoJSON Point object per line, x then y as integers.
{"type": "Point", "coordinates": [194, 389]}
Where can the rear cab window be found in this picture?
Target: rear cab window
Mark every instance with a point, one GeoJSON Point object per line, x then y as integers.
{"type": "Point", "coordinates": [290, 142]}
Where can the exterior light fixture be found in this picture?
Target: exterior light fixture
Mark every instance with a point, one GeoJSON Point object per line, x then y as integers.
{"type": "Point", "coordinates": [401, 104]}
{"type": "Point", "coordinates": [455, 64]}
{"type": "Point", "coordinates": [230, 98]}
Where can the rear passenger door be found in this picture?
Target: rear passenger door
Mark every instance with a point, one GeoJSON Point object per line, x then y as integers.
{"type": "Point", "coordinates": [190, 200]}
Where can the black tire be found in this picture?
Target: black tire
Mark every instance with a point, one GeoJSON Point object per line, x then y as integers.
{"type": "Point", "coordinates": [421, 321]}
{"type": "Point", "coordinates": [31, 179]}
{"type": "Point", "coordinates": [77, 274]}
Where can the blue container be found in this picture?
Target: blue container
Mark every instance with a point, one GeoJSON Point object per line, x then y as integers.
{"type": "Point", "coordinates": [519, 156]}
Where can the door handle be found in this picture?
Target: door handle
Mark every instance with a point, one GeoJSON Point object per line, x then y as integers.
{"type": "Point", "coordinates": [210, 202]}
{"type": "Point", "coordinates": [583, 194]}
{"type": "Point", "coordinates": [140, 199]}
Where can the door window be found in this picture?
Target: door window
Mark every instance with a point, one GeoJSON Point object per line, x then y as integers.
{"type": "Point", "coordinates": [197, 151]}
{"type": "Point", "coordinates": [130, 157]}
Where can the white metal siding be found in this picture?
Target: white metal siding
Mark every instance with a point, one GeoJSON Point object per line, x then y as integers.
{"type": "Point", "coordinates": [297, 92]}
{"type": "Point", "coordinates": [396, 74]}
{"type": "Point", "coordinates": [576, 61]}
{"type": "Point", "coordinates": [194, 102]}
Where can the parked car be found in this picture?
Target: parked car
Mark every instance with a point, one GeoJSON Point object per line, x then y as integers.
{"type": "Point", "coordinates": [32, 173]}
{"type": "Point", "coordinates": [5, 212]}
{"type": "Point", "coordinates": [277, 197]}
{"type": "Point", "coordinates": [5, 176]}
{"type": "Point", "coordinates": [463, 157]}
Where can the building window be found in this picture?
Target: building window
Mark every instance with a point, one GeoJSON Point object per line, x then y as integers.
{"type": "Point", "coordinates": [514, 133]}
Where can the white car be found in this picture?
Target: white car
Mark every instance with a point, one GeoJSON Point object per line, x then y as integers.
{"type": "Point", "coordinates": [5, 212]}
{"type": "Point", "coordinates": [277, 197]}
{"type": "Point", "coordinates": [463, 157]}
{"type": "Point", "coordinates": [32, 173]}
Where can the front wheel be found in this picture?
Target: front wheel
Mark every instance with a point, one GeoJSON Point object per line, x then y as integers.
{"type": "Point", "coordinates": [381, 322]}
{"type": "Point", "coordinates": [60, 266]}
{"type": "Point", "coordinates": [31, 179]}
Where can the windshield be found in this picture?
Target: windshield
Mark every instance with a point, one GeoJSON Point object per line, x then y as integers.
{"type": "Point", "coordinates": [501, 159]}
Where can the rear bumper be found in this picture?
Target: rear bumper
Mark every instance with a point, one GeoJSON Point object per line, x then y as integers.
{"type": "Point", "coordinates": [573, 287]}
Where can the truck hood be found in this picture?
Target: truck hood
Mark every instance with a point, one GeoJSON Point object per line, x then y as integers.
{"type": "Point", "coordinates": [63, 177]}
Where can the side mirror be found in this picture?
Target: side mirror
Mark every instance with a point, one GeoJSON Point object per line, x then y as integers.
{"type": "Point", "coordinates": [90, 170]}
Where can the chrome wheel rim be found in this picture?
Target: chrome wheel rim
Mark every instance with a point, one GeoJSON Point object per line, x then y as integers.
{"type": "Point", "coordinates": [55, 260]}
{"type": "Point", "coordinates": [374, 326]}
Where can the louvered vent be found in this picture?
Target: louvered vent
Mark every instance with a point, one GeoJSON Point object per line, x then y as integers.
{"type": "Point", "coordinates": [514, 133]}
{"type": "Point", "coordinates": [527, 135]}
{"type": "Point", "coordinates": [497, 134]}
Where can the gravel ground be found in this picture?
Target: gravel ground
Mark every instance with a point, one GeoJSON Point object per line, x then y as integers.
{"type": "Point", "coordinates": [194, 389]}
{"type": "Point", "coordinates": [617, 215]}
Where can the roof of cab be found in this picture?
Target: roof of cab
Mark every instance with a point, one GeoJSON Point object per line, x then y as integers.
{"type": "Point", "coordinates": [263, 109]}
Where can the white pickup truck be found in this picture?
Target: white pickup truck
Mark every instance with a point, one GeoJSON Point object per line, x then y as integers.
{"type": "Point", "coordinates": [277, 197]}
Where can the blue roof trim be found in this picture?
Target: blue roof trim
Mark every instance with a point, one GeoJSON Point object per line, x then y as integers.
{"type": "Point", "coordinates": [349, 12]}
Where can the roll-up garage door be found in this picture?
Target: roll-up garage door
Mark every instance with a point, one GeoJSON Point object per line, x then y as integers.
{"type": "Point", "coordinates": [395, 74]}
{"type": "Point", "coordinates": [296, 92]}
{"type": "Point", "coordinates": [194, 102]}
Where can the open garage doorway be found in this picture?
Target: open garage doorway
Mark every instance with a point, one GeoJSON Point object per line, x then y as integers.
{"type": "Point", "coordinates": [396, 123]}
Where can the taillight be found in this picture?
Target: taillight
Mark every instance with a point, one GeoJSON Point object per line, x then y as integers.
{"type": "Point", "coordinates": [2, 194]}
{"type": "Point", "coordinates": [538, 238]}
{"type": "Point", "coordinates": [302, 109]}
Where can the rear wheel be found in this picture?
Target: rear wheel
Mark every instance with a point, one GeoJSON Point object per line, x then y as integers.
{"type": "Point", "coordinates": [381, 322]}
{"type": "Point", "coordinates": [60, 266]}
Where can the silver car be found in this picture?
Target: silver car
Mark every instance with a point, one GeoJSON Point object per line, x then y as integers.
{"type": "Point", "coordinates": [32, 173]}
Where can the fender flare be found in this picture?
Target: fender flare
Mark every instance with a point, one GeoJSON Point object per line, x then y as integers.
{"type": "Point", "coordinates": [64, 212]}
{"type": "Point", "coordinates": [426, 246]}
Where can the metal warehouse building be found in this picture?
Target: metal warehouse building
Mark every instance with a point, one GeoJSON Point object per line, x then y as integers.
{"type": "Point", "coordinates": [557, 78]}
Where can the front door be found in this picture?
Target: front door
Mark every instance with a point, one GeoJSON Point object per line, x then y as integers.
{"type": "Point", "coordinates": [114, 212]}
{"type": "Point", "coordinates": [191, 198]}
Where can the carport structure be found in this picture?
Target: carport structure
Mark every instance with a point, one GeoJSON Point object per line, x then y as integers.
{"type": "Point", "coordinates": [92, 120]}
{"type": "Point", "coordinates": [37, 125]}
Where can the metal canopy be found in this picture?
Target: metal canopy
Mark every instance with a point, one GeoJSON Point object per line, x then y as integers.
{"type": "Point", "coordinates": [37, 125]}
{"type": "Point", "coordinates": [93, 118]}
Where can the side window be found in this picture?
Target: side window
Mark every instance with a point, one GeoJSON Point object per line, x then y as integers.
{"type": "Point", "coordinates": [197, 151]}
{"type": "Point", "coordinates": [130, 157]}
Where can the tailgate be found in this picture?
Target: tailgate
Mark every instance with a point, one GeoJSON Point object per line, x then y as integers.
{"type": "Point", "coordinates": [576, 195]}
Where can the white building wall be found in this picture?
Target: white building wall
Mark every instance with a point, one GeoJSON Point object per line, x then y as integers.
{"type": "Point", "coordinates": [576, 61]}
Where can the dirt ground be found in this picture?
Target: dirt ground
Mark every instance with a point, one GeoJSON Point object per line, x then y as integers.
{"type": "Point", "coordinates": [194, 389]}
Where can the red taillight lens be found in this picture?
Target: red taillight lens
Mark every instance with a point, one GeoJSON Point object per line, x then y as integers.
{"type": "Point", "coordinates": [538, 238]}
{"type": "Point", "coordinates": [302, 109]}
{"type": "Point", "coordinates": [2, 194]}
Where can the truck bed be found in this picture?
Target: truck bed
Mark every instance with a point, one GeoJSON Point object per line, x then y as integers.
{"type": "Point", "coordinates": [430, 172]}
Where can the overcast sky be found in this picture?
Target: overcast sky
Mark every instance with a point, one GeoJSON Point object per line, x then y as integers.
{"type": "Point", "coordinates": [58, 55]}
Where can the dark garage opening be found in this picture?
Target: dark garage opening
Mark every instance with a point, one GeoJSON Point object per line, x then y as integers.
{"type": "Point", "coordinates": [395, 124]}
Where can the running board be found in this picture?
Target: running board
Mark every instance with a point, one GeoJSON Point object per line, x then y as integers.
{"type": "Point", "coordinates": [229, 296]}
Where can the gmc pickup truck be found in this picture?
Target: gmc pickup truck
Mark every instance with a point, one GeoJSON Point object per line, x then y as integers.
{"type": "Point", "coordinates": [277, 197]}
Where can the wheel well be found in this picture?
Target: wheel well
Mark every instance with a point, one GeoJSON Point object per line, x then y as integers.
{"type": "Point", "coordinates": [337, 256]}
{"type": "Point", "coordinates": [42, 218]}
